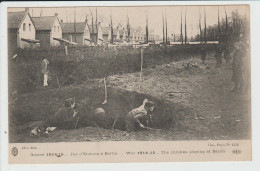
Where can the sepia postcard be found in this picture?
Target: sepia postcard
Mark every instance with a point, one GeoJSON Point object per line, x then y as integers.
{"type": "Point", "coordinates": [119, 84]}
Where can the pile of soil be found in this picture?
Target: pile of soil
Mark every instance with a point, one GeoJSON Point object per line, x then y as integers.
{"type": "Point", "coordinates": [43, 105]}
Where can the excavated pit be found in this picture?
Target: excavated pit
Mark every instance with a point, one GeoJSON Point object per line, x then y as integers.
{"type": "Point", "coordinates": [120, 102]}
{"type": "Point", "coordinates": [42, 106]}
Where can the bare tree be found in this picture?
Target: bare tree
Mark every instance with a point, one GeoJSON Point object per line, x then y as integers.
{"type": "Point", "coordinates": [185, 26]}
{"type": "Point", "coordinates": [205, 28]}
{"type": "Point", "coordinates": [226, 21]}
{"type": "Point", "coordinates": [128, 27]}
{"type": "Point", "coordinates": [181, 36]}
{"type": "Point", "coordinates": [75, 25]}
{"type": "Point", "coordinates": [200, 37]}
{"type": "Point", "coordinates": [111, 27]}
{"type": "Point", "coordinates": [147, 34]}
{"type": "Point", "coordinates": [163, 26]}
{"type": "Point", "coordinates": [166, 29]}
{"type": "Point", "coordinates": [41, 12]}
{"type": "Point", "coordinates": [92, 23]}
{"type": "Point", "coordinates": [218, 26]}
{"type": "Point", "coordinates": [96, 25]}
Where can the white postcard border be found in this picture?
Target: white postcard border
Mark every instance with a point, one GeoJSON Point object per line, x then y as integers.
{"type": "Point", "coordinates": [254, 165]}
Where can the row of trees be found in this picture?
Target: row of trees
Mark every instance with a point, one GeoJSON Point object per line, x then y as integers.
{"type": "Point", "coordinates": [227, 28]}
{"type": "Point", "coordinates": [230, 27]}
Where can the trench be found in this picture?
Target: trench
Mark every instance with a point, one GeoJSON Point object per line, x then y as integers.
{"type": "Point", "coordinates": [42, 105]}
{"type": "Point", "coordinates": [120, 102]}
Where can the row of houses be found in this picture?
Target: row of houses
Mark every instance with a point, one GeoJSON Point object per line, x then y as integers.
{"type": "Point", "coordinates": [25, 31]}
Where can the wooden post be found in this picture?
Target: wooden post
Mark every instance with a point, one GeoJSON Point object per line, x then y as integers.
{"type": "Point", "coordinates": [140, 78]}
{"type": "Point", "coordinates": [105, 101]}
{"type": "Point", "coordinates": [58, 81]}
{"type": "Point", "coordinates": [66, 50]}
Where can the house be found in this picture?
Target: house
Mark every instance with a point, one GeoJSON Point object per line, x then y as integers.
{"type": "Point", "coordinates": [132, 35]}
{"type": "Point", "coordinates": [123, 34]}
{"type": "Point", "coordinates": [48, 30]}
{"type": "Point", "coordinates": [106, 31]}
{"type": "Point", "coordinates": [96, 34]}
{"type": "Point", "coordinates": [116, 34]}
{"type": "Point", "coordinates": [137, 36]}
{"type": "Point", "coordinates": [21, 30]}
{"type": "Point", "coordinates": [76, 32]}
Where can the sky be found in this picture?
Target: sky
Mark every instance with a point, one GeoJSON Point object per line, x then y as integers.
{"type": "Point", "coordinates": [137, 15]}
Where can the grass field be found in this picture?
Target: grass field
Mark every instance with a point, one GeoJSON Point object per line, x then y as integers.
{"type": "Point", "coordinates": [192, 103]}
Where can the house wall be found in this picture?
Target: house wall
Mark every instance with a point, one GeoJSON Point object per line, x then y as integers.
{"type": "Point", "coordinates": [100, 36]}
{"type": "Point", "coordinates": [109, 36]}
{"type": "Point", "coordinates": [12, 41]}
{"type": "Point", "coordinates": [105, 37]}
{"type": "Point", "coordinates": [114, 38]}
{"type": "Point", "coordinates": [26, 34]}
{"type": "Point", "coordinates": [93, 37]}
{"type": "Point", "coordinates": [56, 32]}
{"type": "Point", "coordinates": [66, 36]}
{"type": "Point", "coordinates": [133, 36]}
{"type": "Point", "coordinates": [86, 35]}
{"type": "Point", "coordinates": [77, 38]}
{"type": "Point", "coordinates": [44, 37]}
{"type": "Point", "coordinates": [124, 35]}
{"type": "Point", "coordinates": [117, 35]}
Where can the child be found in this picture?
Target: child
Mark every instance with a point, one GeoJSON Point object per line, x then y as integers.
{"type": "Point", "coordinates": [141, 112]}
{"type": "Point", "coordinates": [66, 117]}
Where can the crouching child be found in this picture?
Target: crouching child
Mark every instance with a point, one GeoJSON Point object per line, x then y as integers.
{"type": "Point", "coordinates": [142, 112]}
{"type": "Point", "coordinates": [67, 117]}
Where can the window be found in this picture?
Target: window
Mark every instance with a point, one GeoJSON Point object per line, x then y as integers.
{"type": "Point", "coordinates": [54, 28]}
{"type": "Point", "coordinates": [29, 27]}
{"type": "Point", "coordinates": [24, 27]}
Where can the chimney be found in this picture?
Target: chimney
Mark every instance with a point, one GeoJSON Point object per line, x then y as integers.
{"type": "Point", "coordinates": [61, 21]}
{"type": "Point", "coordinates": [56, 14]}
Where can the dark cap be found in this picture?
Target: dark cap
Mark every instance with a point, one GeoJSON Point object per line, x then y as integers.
{"type": "Point", "coordinates": [149, 104]}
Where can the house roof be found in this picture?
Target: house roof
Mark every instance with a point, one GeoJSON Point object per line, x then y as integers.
{"type": "Point", "coordinates": [115, 31]}
{"type": "Point", "coordinates": [131, 32]}
{"type": "Point", "coordinates": [105, 30]}
{"type": "Point", "coordinates": [69, 27]}
{"type": "Point", "coordinates": [15, 19]}
{"type": "Point", "coordinates": [44, 23]}
{"type": "Point", "coordinates": [121, 32]}
{"type": "Point", "coordinates": [94, 27]}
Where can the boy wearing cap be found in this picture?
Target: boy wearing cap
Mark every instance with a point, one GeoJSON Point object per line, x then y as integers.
{"type": "Point", "coordinates": [141, 112]}
{"type": "Point", "coordinates": [66, 116]}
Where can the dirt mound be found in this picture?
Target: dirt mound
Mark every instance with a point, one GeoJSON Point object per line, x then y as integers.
{"type": "Point", "coordinates": [120, 102]}
{"type": "Point", "coordinates": [41, 106]}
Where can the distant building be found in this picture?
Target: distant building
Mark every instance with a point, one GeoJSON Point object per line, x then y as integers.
{"type": "Point", "coordinates": [132, 35]}
{"type": "Point", "coordinates": [96, 34]}
{"type": "Point", "coordinates": [76, 32]}
{"type": "Point", "coordinates": [47, 29]}
{"type": "Point", "coordinates": [116, 34]}
{"type": "Point", "coordinates": [21, 30]}
{"type": "Point", "coordinates": [106, 31]}
{"type": "Point", "coordinates": [119, 35]}
{"type": "Point", "coordinates": [122, 34]}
